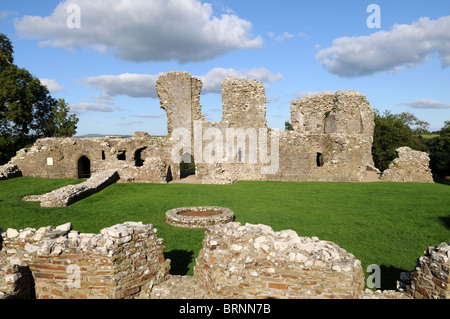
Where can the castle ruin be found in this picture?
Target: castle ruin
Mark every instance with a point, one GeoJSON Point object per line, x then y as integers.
{"type": "Point", "coordinates": [331, 140]}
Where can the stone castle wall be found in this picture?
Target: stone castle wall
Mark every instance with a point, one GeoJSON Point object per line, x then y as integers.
{"type": "Point", "coordinates": [331, 140]}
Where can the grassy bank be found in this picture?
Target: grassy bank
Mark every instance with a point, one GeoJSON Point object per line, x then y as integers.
{"type": "Point", "coordinates": [388, 224]}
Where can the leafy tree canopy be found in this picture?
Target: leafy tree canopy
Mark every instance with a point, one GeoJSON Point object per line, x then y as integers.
{"type": "Point", "coordinates": [27, 110]}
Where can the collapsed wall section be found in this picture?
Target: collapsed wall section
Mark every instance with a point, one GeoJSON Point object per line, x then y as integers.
{"type": "Point", "coordinates": [253, 261]}
{"type": "Point", "coordinates": [409, 166]}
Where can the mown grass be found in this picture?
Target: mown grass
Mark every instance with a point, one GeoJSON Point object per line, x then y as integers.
{"type": "Point", "coordinates": [388, 224]}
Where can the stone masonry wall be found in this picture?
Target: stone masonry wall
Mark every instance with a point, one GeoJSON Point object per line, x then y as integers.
{"type": "Point", "coordinates": [123, 261]}
{"type": "Point", "coordinates": [431, 278]}
{"type": "Point", "coordinates": [140, 158]}
{"type": "Point", "coordinates": [253, 261]}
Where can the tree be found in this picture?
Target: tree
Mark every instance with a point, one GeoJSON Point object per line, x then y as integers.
{"type": "Point", "coordinates": [61, 124]}
{"type": "Point", "coordinates": [393, 131]}
{"type": "Point", "coordinates": [288, 126]}
{"type": "Point", "coordinates": [6, 51]}
{"type": "Point", "coordinates": [27, 111]}
{"type": "Point", "coordinates": [439, 149]}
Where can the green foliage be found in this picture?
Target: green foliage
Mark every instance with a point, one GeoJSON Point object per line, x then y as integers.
{"type": "Point", "coordinates": [393, 131]}
{"type": "Point", "coordinates": [61, 124]}
{"type": "Point", "coordinates": [439, 149]}
{"type": "Point", "coordinates": [187, 165]}
{"type": "Point", "coordinates": [288, 126]}
{"type": "Point", "coordinates": [6, 52]}
{"type": "Point", "coordinates": [27, 111]}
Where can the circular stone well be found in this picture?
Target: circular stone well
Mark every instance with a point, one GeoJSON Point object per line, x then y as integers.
{"type": "Point", "coordinates": [199, 217]}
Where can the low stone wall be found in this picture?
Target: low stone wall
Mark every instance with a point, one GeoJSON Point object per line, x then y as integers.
{"type": "Point", "coordinates": [123, 261]}
{"type": "Point", "coordinates": [70, 194]}
{"type": "Point", "coordinates": [431, 278]}
{"type": "Point", "coordinates": [236, 262]}
{"type": "Point", "coordinates": [253, 261]}
{"type": "Point", "coordinates": [409, 166]}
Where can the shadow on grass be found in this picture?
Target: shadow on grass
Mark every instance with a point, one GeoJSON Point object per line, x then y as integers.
{"type": "Point", "coordinates": [179, 261]}
{"type": "Point", "coordinates": [389, 277]}
{"type": "Point", "coordinates": [440, 180]}
{"type": "Point", "coordinates": [445, 221]}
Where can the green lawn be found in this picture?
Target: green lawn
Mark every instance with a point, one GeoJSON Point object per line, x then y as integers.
{"type": "Point", "coordinates": [388, 224]}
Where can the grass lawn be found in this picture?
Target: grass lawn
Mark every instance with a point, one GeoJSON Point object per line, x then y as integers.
{"type": "Point", "coordinates": [388, 224]}
{"type": "Point", "coordinates": [429, 136]}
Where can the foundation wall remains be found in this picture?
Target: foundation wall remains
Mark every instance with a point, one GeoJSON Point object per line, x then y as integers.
{"type": "Point", "coordinates": [70, 194]}
{"type": "Point", "coordinates": [431, 278]}
{"type": "Point", "coordinates": [253, 261]}
{"type": "Point", "coordinates": [126, 261]}
{"type": "Point", "coordinates": [331, 140]}
{"type": "Point", "coordinates": [123, 261]}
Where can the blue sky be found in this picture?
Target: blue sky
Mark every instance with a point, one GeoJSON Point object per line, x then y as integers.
{"type": "Point", "coordinates": [106, 66]}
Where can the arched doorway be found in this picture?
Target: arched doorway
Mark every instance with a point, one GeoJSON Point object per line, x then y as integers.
{"type": "Point", "coordinates": [187, 165]}
{"type": "Point", "coordinates": [84, 167]}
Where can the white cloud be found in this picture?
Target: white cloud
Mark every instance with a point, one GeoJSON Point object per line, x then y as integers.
{"type": "Point", "coordinates": [101, 103]}
{"type": "Point", "coordinates": [144, 85]}
{"type": "Point", "coordinates": [133, 85]}
{"type": "Point", "coordinates": [285, 35]}
{"type": "Point", "coordinates": [427, 104]}
{"type": "Point", "coordinates": [6, 14]}
{"type": "Point", "coordinates": [84, 107]}
{"type": "Point", "coordinates": [389, 51]}
{"type": "Point", "coordinates": [143, 30]}
{"type": "Point", "coordinates": [52, 85]}
{"type": "Point", "coordinates": [212, 81]}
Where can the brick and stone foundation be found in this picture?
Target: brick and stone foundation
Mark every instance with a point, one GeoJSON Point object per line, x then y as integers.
{"type": "Point", "coordinates": [126, 261]}
{"type": "Point", "coordinates": [123, 261]}
{"type": "Point", "coordinates": [431, 278]}
{"type": "Point", "coordinates": [253, 261]}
